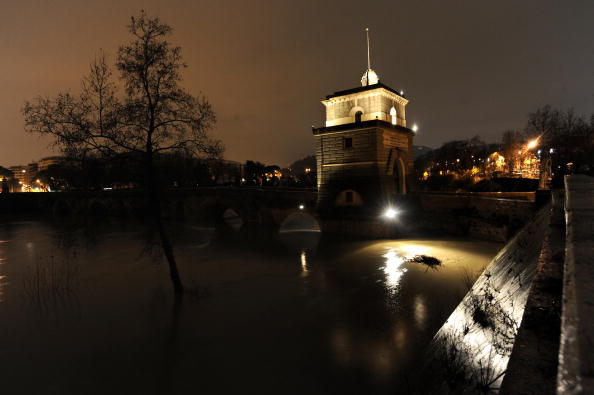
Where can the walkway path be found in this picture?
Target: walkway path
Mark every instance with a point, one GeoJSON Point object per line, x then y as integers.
{"type": "Point", "coordinates": [576, 357]}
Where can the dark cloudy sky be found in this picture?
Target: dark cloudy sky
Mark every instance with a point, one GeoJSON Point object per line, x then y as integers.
{"type": "Point", "coordinates": [467, 67]}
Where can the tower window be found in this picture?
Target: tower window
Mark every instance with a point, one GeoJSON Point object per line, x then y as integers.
{"type": "Point", "coordinates": [358, 115]}
{"type": "Point", "coordinates": [393, 115]}
{"type": "Point", "coordinates": [347, 142]}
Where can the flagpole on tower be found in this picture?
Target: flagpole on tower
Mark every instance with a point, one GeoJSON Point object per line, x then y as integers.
{"type": "Point", "coordinates": [368, 57]}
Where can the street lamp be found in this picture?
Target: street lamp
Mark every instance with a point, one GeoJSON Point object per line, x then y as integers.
{"type": "Point", "coordinates": [390, 213]}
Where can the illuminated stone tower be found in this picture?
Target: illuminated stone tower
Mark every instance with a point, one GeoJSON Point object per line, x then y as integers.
{"type": "Point", "coordinates": [364, 151]}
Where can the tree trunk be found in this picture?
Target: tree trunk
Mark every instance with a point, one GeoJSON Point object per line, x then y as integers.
{"type": "Point", "coordinates": [155, 200]}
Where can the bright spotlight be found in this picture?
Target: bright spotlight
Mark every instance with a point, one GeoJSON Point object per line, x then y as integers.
{"type": "Point", "coordinates": [301, 207]}
{"type": "Point", "coordinates": [532, 144]}
{"type": "Point", "coordinates": [390, 213]}
{"type": "Point", "coordinates": [415, 128]}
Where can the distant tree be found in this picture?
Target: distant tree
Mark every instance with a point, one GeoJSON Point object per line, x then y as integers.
{"type": "Point", "coordinates": [63, 176]}
{"type": "Point", "coordinates": [543, 123]}
{"type": "Point", "coordinates": [271, 168]}
{"type": "Point", "coordinates": [511, 143]}
{"type": "Point", "coordinates": [253, 170]}
{"type": "Point", "coordinates": [151, 116]}
{"type": "Point", "coordinates": [4, 172]}
{"type": "Point", "coordinates": [201, 173]}
{"type": "Point", "coordinates": [305, 171]}
{"type": "Point", "coordinates": [126, 170]}
{"type": "Point", "coordinates": [564, 136]}
{"type": "Point", "coordinates": [299, 166]}
{"type": "Point", "coordinates": [225, 172]}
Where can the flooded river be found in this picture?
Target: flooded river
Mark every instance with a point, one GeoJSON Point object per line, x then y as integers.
{"type": "Point", "coordinates": [89, 310]}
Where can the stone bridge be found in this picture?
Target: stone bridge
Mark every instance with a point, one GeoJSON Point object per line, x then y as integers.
{"type": "Point", "coordinates": [265, 207]}
{"type": "Point", "coordinates": [482, 215]}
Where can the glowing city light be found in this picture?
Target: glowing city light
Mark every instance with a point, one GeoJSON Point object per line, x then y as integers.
{"type": "Point", "coordinates": [301, 206]}
{"type": "Point", "coordinates": [415, 128]}
{"type": "Point", "coordinates": [390, 213]}
{"type": "Point", "coordinates": [532, 144]}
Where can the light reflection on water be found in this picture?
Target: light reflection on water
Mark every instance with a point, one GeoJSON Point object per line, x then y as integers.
{"type": "Point", "coordinates": [324, 315]}
{"type": "Point", "coordinates": [393, 268]}
{"type": "Point", "coordinates": [420, 311]}
{"type": "Point", "coordinates": [303, 258]}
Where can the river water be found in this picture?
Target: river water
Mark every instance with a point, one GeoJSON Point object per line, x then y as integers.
{"type": "Point", "coordinates": [88, 309]}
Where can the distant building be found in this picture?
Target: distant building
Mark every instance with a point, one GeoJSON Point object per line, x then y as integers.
{"type": "Point", "coordinates": [31, 173]}
{"type": "Point", "coordinates": [27, 175]}
{"type": "Point", "coordinates": [45, 163]}
{"type": "Point", "coordinates": [19, 173]}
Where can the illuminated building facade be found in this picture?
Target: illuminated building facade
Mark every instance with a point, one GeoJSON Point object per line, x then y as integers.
{"type": "Point", "coordinates": [364, 151]}
{"type": "Point", "coordinates": [20, 173]}
{"type": "Point", "coordinates": [45, 163]}
{"type": "Point", "coordinates": [31, 173]}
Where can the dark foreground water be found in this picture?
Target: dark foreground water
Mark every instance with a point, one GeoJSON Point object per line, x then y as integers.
{"type": "Point", "coordinates": [89, 310]}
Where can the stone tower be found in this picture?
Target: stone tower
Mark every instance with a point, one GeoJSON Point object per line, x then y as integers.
{"type": "Point", "coordinates": [364, 151]}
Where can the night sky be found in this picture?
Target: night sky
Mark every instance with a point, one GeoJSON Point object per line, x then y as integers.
{"type": "Point", "coordinates": [467, 67]}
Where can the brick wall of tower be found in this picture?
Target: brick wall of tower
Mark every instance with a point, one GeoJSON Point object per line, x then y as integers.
{"type": "Point", "coordinates": [366, 168]}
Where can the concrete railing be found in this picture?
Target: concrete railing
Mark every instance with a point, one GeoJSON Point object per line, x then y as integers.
{"type": "Point", "coordinates": [576, 354]}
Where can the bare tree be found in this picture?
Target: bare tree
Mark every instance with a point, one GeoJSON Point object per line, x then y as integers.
{"type": "Point", "coordinates": [565, 137]}
{"type": "Point", "coordinates": [151, 115]}
{"type": "Point", "coordinates": [543, 121]}
{"type": "Point", "coordinates": [511, 142]}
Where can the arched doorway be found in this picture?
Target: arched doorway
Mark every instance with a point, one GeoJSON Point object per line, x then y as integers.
{"type": "Point", "coordinates": [399, 176]}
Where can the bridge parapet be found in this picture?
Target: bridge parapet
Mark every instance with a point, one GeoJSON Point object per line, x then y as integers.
{"type": "Point", "coordinates": [576, 355]}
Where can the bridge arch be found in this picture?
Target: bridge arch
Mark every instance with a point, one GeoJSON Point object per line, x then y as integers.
{"type": "Point", "coordinates": [299, 221]}
{"type": "Point", "coordinates": [216, 210]}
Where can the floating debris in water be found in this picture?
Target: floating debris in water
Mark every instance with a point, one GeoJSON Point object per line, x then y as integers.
{"type": "Point", "coordinates": [429, 261]}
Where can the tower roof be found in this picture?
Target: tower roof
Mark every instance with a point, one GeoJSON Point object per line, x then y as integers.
{"type": "Point", "coordinates": [363, 89]}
